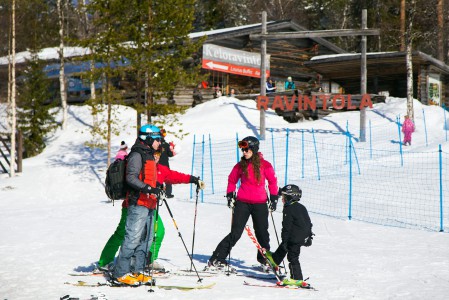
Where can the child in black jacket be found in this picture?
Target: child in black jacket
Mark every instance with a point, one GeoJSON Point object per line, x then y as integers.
{"type": "Point", "coordinates": [296, 232]}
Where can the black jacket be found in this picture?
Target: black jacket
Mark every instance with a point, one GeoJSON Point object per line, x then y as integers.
{"type": "Point", "coordinates": [296, 224]}
{"type": "Point", "coordinates": [165, 154]}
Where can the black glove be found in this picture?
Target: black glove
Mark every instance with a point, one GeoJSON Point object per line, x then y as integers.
{"type": "Point", "coordinates": [149, 190]}
{"type": "Point", "coordinates": [199, 183]}
{"type": "Point", "coordinates": [231, 199]}
{"type": "Point", "coordinates": [273, 202]}
{"type": "Point", "coordinates": [308, 240]}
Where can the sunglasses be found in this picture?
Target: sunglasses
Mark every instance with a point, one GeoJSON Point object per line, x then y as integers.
{"type": "Point", "coordinates": [245, 149]}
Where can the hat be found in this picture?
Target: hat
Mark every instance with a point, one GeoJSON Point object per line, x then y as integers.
{"type": "Point", "coordinates": [123, 146]}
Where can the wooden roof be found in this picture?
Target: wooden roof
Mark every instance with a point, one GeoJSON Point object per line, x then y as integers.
{"type": "Point", "coordinates": [382, 67]}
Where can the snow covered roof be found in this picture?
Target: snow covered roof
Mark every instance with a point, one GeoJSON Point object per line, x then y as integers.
{"type": "Point", "coordinates": [47, 54]}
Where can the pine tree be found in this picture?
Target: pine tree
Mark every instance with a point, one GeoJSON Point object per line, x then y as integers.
{"type": "Point", "coordinates": [36, 118]}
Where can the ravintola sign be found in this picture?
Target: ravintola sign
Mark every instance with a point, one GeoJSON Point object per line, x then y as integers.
{"type": "Point", "coordinates": [233, 61]}
{"type": "Point", "coordinates": [304, 102]}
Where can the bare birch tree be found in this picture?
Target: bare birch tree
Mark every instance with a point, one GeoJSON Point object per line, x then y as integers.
{"type": "Point", "coordinates": [411, 10]}
{"type": "Point", "coordinates": [13, 121]}
{"type": "Point", "coordinates": [62, 85]}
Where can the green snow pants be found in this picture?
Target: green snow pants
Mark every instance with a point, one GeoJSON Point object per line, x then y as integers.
{"type": "Point", "coordinates": [116, 240]}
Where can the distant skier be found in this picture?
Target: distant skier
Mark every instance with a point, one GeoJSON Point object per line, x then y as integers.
{"type": "Point", "coordinates": [123, 152]}
{"type": "Point", "coordinates": [408, 128]}
{"type": "Point", "coordinates": [296, 232]}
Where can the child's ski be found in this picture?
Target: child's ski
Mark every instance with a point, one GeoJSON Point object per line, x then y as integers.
{"type": "Point", "coordinates": [262, 251]}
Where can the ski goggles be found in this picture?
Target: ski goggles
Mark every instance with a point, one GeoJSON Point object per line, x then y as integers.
{"type": "Point", "coordinates": [163, 132]}
{"type": "Point", "coordinates": [244, 146]}
{"type": "Point", "coordinates": [157, 153]}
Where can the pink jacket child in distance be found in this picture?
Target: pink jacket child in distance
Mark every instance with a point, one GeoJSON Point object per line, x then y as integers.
{"type": "Point", "coordinates": [253, 191]}
{"type": "Point", "coordinates": [408, 128]}
{"type": "Point", "coordinates": [122, 153]}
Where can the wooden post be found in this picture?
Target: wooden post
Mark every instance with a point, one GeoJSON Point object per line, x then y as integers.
{"type": "Point", "coordinates": [19, 151]}
{"type": "Point", "coordinates": [362, 137]}
{"type": "Point", "coordinates": [263, 77]}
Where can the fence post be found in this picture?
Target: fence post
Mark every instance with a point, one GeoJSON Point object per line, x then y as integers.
{"type": "Point", "coordinates": [425, 126]}
{"type": "Point", "coordinates": [302, 158]}
{"type": "Point", "coordinates": [211, 165]}
{"type": "Point", "coordinates": [316, 155]}
{"type": "Point", "coordinates": [202, 167]}
{"type": "Point", "coordinates": [446, 126]}
{"type": "Point", "coordinates": [286, 156]}
{"type": "Point", "coordinates": [400, 139]}
{"type": "Point", "coordinates": [440, 155]}
{"type": "Point", "coordinates": [237, 146]}
{"type": "Point", "coordinates": [370, 142]}
{"type": "Point", "coordinates": [350, 179]}
{"type": "Point", "coordinates": [346, 142]}
{"type": "Point", "coordinates": [193, 161]}
{"type": "Point", "coordinates": [272, 150]}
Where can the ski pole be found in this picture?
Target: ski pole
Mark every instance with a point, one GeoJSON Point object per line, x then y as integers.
{"type": "Point", "coordinates": [230, 249]}
{"type": "Point", "coordinates": [277, 237]}
{"type": "Point", "coordinates": [179, 234]}
{"type": "Point", "coordinates": [194, 222]}
{"type": "Point", "coordinates": [151, 272]}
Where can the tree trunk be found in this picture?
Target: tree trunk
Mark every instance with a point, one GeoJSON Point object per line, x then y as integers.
{"type": "Point", "coordinates": [109, 119]}
{"type": "Point", "coordinates": [402, 25]}
{"type": "Point", "coordinates": [12, 159]}
{"type": "Point", "coordinates": [62, 86]}
{"type": "Point", "coordinates": [440, 9]}
{"type": "Point", "coordinates": [408, 58]}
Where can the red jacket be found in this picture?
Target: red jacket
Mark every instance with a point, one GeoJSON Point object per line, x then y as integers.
{"type": "Point", "coordinates": [164, 174]}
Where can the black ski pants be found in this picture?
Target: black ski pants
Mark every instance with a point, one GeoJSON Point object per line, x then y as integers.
{"type": "Point", "coordinates": [292, 251]}
{"type": "Point", "coordinates": [242, 212]}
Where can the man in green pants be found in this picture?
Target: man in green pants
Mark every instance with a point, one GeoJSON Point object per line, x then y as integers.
{"type": "Point", "coordinates": [164, 174]}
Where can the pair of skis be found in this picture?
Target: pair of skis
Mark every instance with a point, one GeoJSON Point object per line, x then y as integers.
{"type": "Point", "coordinates": [262, 251]}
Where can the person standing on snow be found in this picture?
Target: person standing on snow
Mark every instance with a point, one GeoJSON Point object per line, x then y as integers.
{"type": "Point", "coordinates": [164, 175]}
{"type": "Point", "coordinates": [252, 171]}
{"type": "Point", "coordinates": [296, 232]}
{"type": "Point", "coordinates": [141, 177]}
{"type": "Point", "coordinates": [167, 151]}
{"type": "Point", "coordinates": [408, 128]}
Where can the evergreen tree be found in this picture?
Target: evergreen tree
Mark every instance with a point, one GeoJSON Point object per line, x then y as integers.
{"type": "Point", "coordinates": [36, 118]}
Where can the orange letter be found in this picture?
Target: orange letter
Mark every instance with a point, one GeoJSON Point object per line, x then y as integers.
{"type": "Point", "coordinates": [366, 101]}
{"type": "Point", "coordinates": [308, 103]}
{"type": "Point", "coordinates": [300, 106]}
{"type": "Point", "coordinates": [290, 105]}
{"type": "Point", "coordinates": [324, 98]}
{"type": "Point", "coordinates": [277, 103]}
{"type": "Point", "coordinates": [262, 102]}
{"type": "Point", "coordinates": [350, 106]}
{"type": "Point", "coordinates": [335, 99]}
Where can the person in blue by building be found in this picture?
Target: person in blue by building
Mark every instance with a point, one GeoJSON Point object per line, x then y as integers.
{"type": "Point", "coordinates": [289, 84]}
{"type": "Point", "coordinates": [270, 86]}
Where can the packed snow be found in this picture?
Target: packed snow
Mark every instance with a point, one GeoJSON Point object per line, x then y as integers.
{"type": "Point", "coordinates": [55, 219]}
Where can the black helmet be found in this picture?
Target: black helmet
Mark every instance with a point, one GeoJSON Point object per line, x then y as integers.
{"type": "Point", "coordinates": [292, 193]}
{"type": "Point", "coordinates": [250, 142]}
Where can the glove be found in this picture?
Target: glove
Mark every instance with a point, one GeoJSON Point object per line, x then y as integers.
{"type": "Point", "coordinates": [308, 240]}
{"type": "Point", "coordinates": [199, 183]}
{"type": "Point", "coordinates": [149, 190]}
{"type": "Point", "coordinates": [273, 202]}
{"type": "Point", "coordinates": [231, 199]}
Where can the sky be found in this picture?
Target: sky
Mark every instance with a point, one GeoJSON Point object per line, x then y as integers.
{"type": "Point", "coordinates": [55, 219]}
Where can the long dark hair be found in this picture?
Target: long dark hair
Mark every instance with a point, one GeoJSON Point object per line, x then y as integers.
{"type": "Point", "coordinates": [255, 160]}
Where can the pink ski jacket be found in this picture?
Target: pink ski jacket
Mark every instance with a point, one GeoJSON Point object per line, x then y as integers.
{"type": "Point", "coordinates": [250, 190]}
{"type": "Point", "coordinates": [408, 126]}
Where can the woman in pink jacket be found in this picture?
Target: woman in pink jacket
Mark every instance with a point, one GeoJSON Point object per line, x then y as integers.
{"type": "Point", "coordinates": [252, 171]}
{"type": "Point", "coordinates": [408, 128]}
